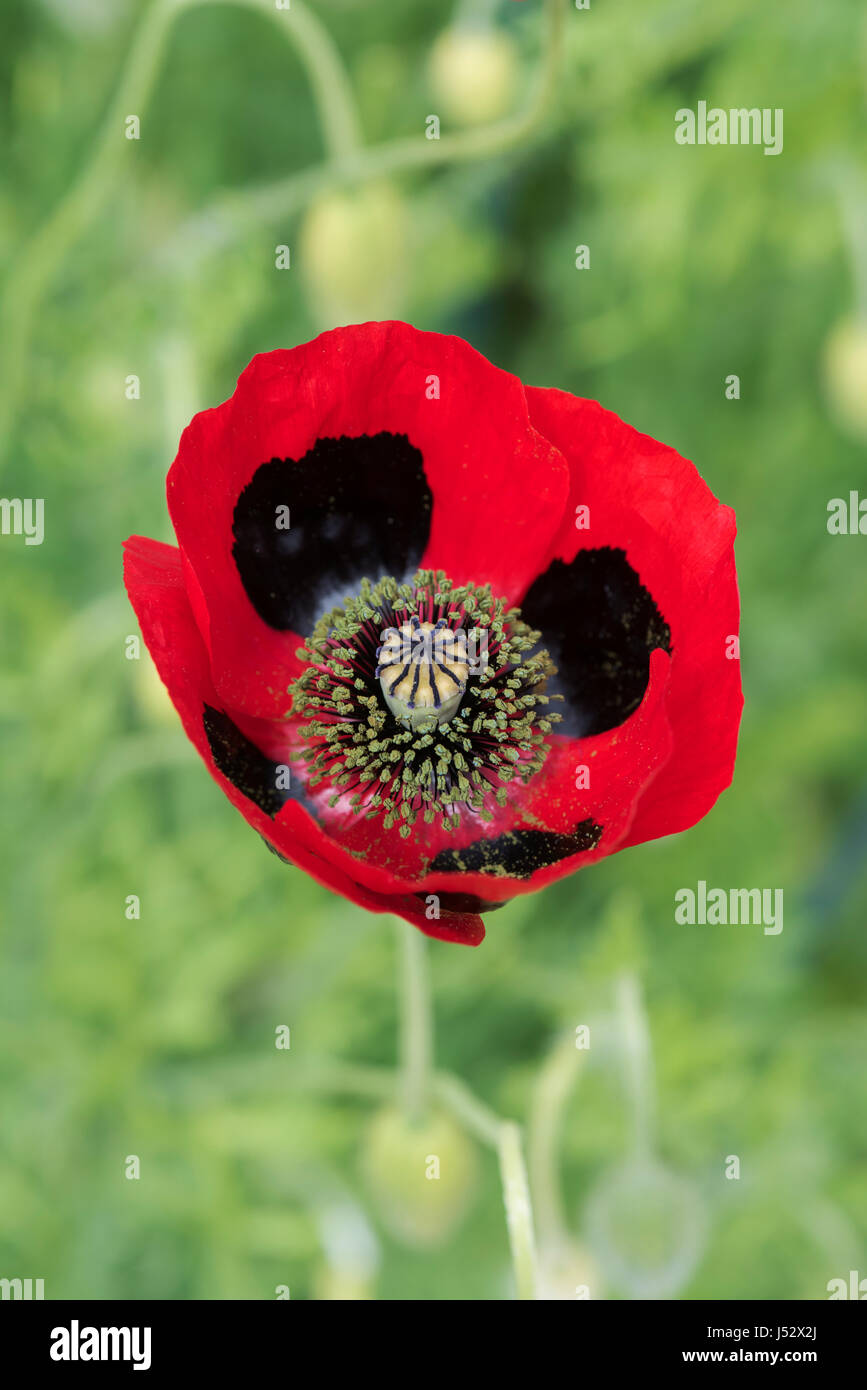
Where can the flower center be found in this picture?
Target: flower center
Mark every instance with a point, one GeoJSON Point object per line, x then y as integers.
{"type": "Point", "coordinates": [423, 670]}
{"type": "Point", "coordinates": [424, 699]}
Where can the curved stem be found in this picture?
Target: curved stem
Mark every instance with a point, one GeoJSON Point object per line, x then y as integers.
{"type": "Point", "coordinates": [30, 277]}
{"type": "Point", "coordinates": [335, 102]}
{"type": "Point", "coordinates": [504, 1136]}
{"type": "Point", "coordinates": [417, 1082]}
{"type": "Point", "coordinates": [416, 1021]}
{"type": "Point", "coordinates": [550, 1094]}
{"type": "Point", "coordinates": [519, 1211]}
{"type": "Point", "coordinates": [638, 1060]}
{"type": "Point", "coordinates": [457, 1097]}
{"type": "Point", "coordinates": [228, 215]}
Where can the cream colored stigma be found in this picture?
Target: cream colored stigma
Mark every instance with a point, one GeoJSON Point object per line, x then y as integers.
{"type": "Point", "coordinates": [423, 672]}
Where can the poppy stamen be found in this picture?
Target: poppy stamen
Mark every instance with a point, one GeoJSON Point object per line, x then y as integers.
{"type": "Point", "coordinates": [429, 715]}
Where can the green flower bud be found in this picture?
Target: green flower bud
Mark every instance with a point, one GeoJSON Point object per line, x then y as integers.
{"type": "Point", "coordinates": [353, 254]}
{"type": "Point", "coordinates": [646, 1225]}
{"type": "Point", "coordinates": [845, 373]}
{"type": "Point", "coordinates": [421, 1178]}
{"type": "Point", "coordinates": [472, 74]}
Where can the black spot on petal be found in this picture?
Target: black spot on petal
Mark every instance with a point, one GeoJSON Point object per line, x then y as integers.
{"type": "Point", "coordinates": [246, 767]}
{"type": "Point", "coordinates": [518, 853]}
{"type": "Point", "coordinates": [600, 625]}
{"type": "Point", "coordinates": [357, 507]}
{"type": "Point", "coordinates": [461, 902]}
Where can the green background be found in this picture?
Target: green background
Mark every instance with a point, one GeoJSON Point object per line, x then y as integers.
{"type": "Point", "coordinates": [155, 1037]}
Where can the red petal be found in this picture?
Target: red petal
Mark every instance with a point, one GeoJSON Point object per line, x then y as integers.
{"type": "Point", "coordinates": [499, 488]}
{"type": "Point", "coordinates": [623, 762]}
{"type": "Point", "coordinates": [646, 499]}
{"type": "Point", "coordinates": [153, 575]}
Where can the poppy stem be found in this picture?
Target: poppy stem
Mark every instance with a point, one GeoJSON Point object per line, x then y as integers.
{"type": "Point", "coordinates": [638, 1060]}
{"type": "Point", "coordinates": [503, 1136]}
{"type": "Point", "coordinates": [551, 1093]}
{"type": "Point", "coordinates": [519, 1209]}
{"type": "Point", "coordinates": [31, 275]}
{"type": "Point", "coordinates": [335, 102]}
{"type": "Point", "coordinates": [416, 1053]}
{"type": "Point", "coordinates": [44, 251]}
{"type": "Point", "coordinates": [416, 1021]}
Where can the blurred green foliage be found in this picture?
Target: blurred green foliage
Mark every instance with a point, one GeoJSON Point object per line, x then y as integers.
{"type": "Point", "coordinates": [155, 1037]}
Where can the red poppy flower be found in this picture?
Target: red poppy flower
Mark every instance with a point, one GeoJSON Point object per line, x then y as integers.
{"type": "Point", "coordinates": [441, 638]}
